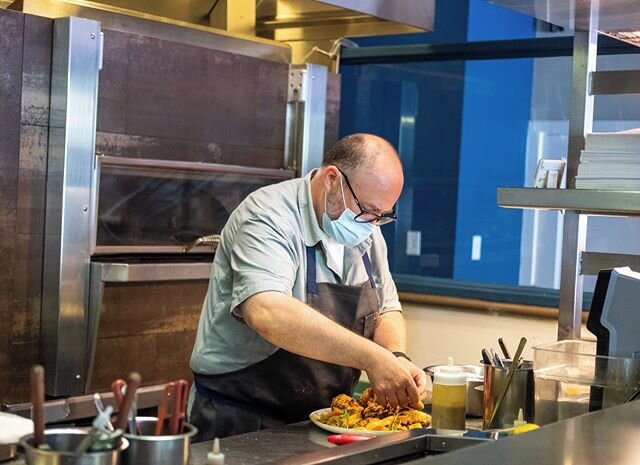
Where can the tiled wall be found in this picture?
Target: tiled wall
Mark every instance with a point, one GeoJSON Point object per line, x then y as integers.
{"type": "Point", "coordinates": [25, 68]}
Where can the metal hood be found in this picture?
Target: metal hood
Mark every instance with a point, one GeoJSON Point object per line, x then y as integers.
{"type": "Point", "coordinates": [306, 25]}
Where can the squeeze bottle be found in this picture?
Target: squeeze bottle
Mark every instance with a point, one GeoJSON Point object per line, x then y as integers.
{"type": "Point", "coordinates": [449, 397]}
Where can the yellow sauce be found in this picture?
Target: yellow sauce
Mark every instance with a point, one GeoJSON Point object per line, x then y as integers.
{"type": "Point", "coordinates": [449, 406]}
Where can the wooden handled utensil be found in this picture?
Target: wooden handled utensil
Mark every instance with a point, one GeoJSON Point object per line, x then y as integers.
{"type": "Point", "coordinates": [37, 403]}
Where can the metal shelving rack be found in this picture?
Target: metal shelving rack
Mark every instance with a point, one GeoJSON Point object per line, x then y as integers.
{"type": "Point", "coordinates": [586, 17]}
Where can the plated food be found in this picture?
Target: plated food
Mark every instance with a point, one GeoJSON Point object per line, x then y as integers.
{"type": "Point", "coordinates": [366, 414]}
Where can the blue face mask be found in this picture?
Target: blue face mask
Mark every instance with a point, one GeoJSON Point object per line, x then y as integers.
{"type": "Point", "coordinates": [345, 230]}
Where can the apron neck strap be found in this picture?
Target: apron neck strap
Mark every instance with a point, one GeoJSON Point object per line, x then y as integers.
{"type": "Point", "coordinates": [312, 282]}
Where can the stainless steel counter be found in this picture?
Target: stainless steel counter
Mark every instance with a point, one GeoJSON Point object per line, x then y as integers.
{"type": "Point", "coordinates": [606, 437]}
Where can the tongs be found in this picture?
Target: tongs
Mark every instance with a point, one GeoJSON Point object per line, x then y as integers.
{"type": "Point", "coordinates": [124, 393]}
{"type": "Point", "coordinates": [175, 394]}
{"type": "Point", "coordinates": [515, 363]}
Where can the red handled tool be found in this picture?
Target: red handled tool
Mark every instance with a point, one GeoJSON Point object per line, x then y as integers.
{"type": "Point", "coordinates": [175, 397]}
{"type": "Point", "coordinates": [339, 439]}
{"type": "Point", "coordinates": [125, 401]}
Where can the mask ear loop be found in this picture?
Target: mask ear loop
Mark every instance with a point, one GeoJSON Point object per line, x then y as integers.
{"type": "Point", "coordinates": [341, 190]}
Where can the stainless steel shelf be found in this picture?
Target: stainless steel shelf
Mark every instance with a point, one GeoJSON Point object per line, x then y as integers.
{"type": "Point", "coordinates": [585, 201]}
{"type": "Point", "coordinates": [615, 82]}
{"type": "Point", "coordinates": [593, 262]}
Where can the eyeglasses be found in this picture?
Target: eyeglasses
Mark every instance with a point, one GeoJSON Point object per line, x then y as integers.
{"type": "Point", "coordinates": [366, 216]}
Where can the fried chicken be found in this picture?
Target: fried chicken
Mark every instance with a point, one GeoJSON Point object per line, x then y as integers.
{"type": "Point", "coordinates": [343, 402]}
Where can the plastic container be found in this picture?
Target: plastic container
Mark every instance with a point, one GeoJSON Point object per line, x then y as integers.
{"type": "Point", "coordinates": [148, 449]}
{"type": "Point", "coordinates": [63, 442]}
{"type": "Point", "coordinates": [475, 380]}
{"type": "Point", "coordinates": [571, 380]}
{"type": "Point", "coordinates": [448, 408]}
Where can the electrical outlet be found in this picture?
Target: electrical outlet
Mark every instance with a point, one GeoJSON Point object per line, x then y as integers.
{"type": "Point", "coordinates": [476, 247]}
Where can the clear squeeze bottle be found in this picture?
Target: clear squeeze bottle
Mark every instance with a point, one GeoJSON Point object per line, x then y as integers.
{"type": "Point", "coordinates": [449, 397]}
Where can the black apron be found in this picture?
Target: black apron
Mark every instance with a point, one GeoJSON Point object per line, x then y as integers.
{"type": "Point", "coordinates": [285, 387]}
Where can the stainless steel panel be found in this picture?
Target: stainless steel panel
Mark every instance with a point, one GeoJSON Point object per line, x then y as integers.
{"type": "Point", "coordinates": [574, 235]}
{"type": "Point", "coordinates": [75, 66]}
{"type": "Point", "coordinates": [593, 262]}
{"type": "Point", "coordinates": [614, 15]}
{"type": "Point", "coordinates": [586, 201]}
{"type": "Point", "coordinates": [306, 117]}
{"type": "Point", "coordinates": [142, 272]}
{"type": "Point", "coordinates": [149, 250]}
{"type": "Point", "coordinates": [615, 82]}
{"type": "Point", "coordinates": [79, 407]}
{"type": "Point", "coordinates": [190, 166]}
{"type": "Point", "coordinates": [126, 20]}
{"type": "Point", "coordinates": [418, 13]}
{"type": "Point", "coordinates": [574, 239]}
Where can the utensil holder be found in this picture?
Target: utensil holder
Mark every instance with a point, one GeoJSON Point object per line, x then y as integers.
{"type": "Point", "coordinates": [148, 449]}
{"type": "Point", "coordinates": [63, 441]}
{"type": "Point", "coordinates": [520, 395]}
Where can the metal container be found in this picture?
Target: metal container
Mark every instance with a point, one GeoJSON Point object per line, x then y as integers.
{"type": "Point", "coordinates": [63, 442]}
{"type": "Point", "coordinates": [519, 395]}
{"type": "Point", "coordinates": [475, 378]}
{"type": "Point", "coordinates": [148, 449]}
{"type": "Point", "coordinates": [7, 451]}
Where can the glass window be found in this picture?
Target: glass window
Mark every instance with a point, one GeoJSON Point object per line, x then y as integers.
{"type": "Point", "coordinates": [463, 129]}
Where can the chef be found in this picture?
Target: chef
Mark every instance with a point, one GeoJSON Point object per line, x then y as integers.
{"type": "Point", "coordinates": [301, 299]}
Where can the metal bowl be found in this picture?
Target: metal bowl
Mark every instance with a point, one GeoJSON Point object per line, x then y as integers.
{"type": "Point", "coordinates": [63, 441]}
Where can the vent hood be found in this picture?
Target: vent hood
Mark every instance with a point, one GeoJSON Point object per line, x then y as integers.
{"type": "Point", "coordinates": [305, 25]}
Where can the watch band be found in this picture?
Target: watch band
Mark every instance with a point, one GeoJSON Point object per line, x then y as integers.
{"type": "Point", "coordinates": [401, 354]}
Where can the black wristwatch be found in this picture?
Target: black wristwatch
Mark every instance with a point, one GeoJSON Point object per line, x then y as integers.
{"type": "Point", "coordinates": [402, 354]}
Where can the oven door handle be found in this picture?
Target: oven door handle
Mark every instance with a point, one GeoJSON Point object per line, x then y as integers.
{"type": "Point", "coordinates": [212, 241]}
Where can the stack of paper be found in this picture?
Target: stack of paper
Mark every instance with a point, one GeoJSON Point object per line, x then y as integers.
{"type": "Point", "coordinates": [610, 161]}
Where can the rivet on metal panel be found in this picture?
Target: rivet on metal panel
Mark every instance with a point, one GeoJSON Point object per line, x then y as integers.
{"type": "Point", "coordinates": [93, 36]}
{"type": "Point", "coordinates": [78, 377]}
{"type": "Point", "coordinates": [85, 208]}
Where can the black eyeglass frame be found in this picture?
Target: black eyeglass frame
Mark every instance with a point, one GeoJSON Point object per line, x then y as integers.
{"type": "Point", "coordinates": [379, 220]}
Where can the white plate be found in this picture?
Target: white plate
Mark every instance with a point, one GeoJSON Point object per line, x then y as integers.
{"type": "Point", "coordinates": [314, 417]}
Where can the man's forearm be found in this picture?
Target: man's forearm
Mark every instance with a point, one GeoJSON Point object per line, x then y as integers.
{"type": "Point", "coordinates": [288, 323]}
{"type": "Point", "coordinates": [391, 331]}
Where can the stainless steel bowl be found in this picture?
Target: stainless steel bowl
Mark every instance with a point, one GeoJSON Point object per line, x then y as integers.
{"type": "Point", "coordinates": [475, 378]}
{"type": "Point", "coordinates": [63, 441]}
{"type": "Point", "coordinates": [7, 451]}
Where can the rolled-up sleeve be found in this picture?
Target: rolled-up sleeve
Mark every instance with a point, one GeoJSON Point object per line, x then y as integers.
{"type": "Point", "coordinates": [262, 258]}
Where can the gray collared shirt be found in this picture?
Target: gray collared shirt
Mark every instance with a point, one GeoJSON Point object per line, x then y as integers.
{"type": "Point", "coordinates": [263, 248]}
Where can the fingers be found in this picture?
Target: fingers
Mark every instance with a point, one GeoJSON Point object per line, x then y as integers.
{"type": "Point", "coordinates": [420, 378]}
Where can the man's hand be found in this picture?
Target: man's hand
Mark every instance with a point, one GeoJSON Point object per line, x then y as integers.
{"type": "Point", "coordinates": [396, 380]}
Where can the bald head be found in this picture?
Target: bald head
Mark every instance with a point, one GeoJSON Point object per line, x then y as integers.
{"type": "Point", "coordinates": [357, 151]}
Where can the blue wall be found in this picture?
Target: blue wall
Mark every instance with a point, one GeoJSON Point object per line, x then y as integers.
{"type": "Point", "coordinates": [496, 110]}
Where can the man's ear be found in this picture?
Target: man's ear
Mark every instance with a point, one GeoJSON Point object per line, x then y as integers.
{"type": "Point", "coordinates": [330, 176]}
